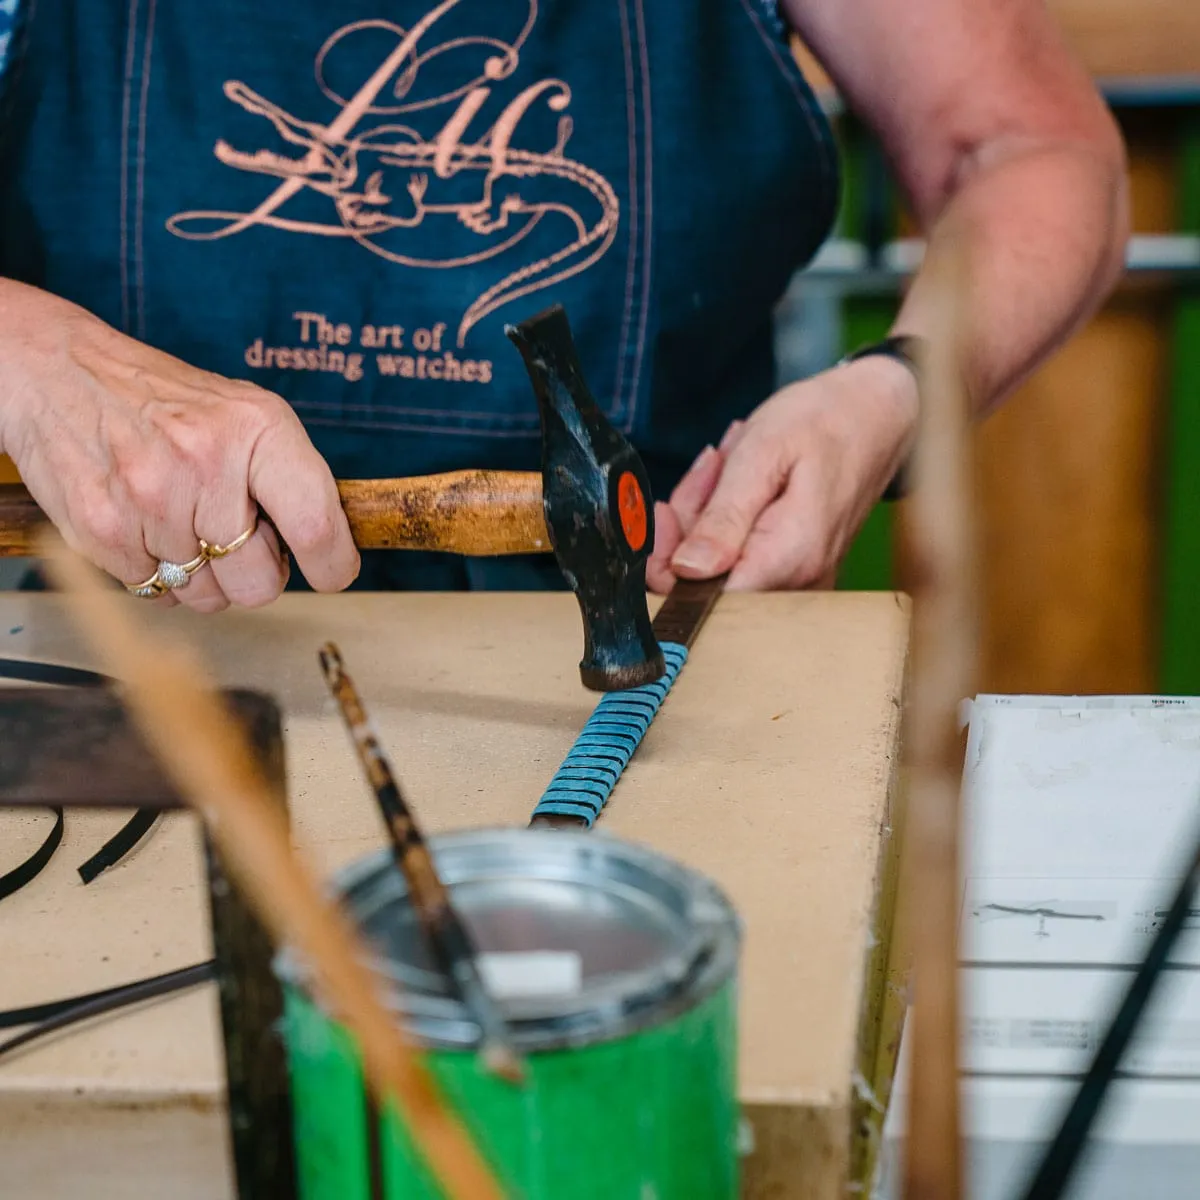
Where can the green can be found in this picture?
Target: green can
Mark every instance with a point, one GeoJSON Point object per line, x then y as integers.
{"type": "Point", "coordinates": [617, 971]}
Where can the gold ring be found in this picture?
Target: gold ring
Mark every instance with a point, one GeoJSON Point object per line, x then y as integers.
{"type": "Point", "coordinates": [167, 577]}
{"type": "Point", "coordinates": [210, 550]}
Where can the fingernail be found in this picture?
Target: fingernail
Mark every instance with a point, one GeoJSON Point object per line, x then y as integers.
{"type": "Point", "coordinates": [699, 555]}
{"type": "Point", "coordinates": [731, 432]}
{"type": "Point", "coordinates": [703, 459]}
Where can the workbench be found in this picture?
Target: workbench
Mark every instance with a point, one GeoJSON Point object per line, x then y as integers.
{"type": "Point", "coordinates": [771, 768]}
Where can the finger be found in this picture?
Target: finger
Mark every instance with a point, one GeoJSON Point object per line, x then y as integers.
{"type": "Point", "coordinates": [695, 489]}
{"type": "Point", "coordinates": [295, 486]}
{"type": "Point", "coordinates": [250, 576]}
{"type": "Point", "coordinates": [168, 507]}
{"type": "Point", "coordinates": [672, 521]}
{"type": "Point", "coordinates": [667, 535]}
{"type": "Point", "coordinates": [109, 534]}
{"type": "Point", "coordinates": [254, 574]}
{"type": "Point", "coordinates": [785, 549]}
{"type": "Point", "coordinates": [733, 435]}
{"type": "Point", "coordinates": [202, 592]}
{"type": "Point", "coordinates": [755, 471]}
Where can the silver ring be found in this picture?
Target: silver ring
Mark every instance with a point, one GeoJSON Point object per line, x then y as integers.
{"type": "Point", "coordinates": [168, 577]}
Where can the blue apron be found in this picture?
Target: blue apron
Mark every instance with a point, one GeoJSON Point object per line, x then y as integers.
{"type": "Point", "coordinates": [346, 204]}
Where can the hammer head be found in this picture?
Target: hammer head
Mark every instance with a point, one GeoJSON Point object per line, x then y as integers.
{"type": "Point", "coordinates": [599, 510]}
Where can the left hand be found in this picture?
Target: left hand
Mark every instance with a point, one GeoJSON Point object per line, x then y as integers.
{"type": "Point", "coordinates": [778, 502]}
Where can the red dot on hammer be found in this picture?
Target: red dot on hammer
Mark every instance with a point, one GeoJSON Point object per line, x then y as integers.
{"type": "Point", "coordinates": [631, 504]}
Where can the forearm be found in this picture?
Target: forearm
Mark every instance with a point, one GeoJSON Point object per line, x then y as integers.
{"type": "Point", "coordinates": [1043, 233]}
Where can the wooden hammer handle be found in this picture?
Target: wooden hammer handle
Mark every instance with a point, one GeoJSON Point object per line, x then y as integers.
{"type": "Point", "coordinates": [464, 512]}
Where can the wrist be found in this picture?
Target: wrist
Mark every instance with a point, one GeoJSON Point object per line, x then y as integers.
{"type": "Point", "coordinates": [893, 382]}
{"type": "Point", "coordinates": [34, 328]}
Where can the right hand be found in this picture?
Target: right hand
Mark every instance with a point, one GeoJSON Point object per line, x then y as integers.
{"type": "Point", "coordinates": [136, 457]}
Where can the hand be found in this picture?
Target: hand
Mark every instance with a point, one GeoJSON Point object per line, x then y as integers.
{"type": "Point", "coordinates": [136, 457]}
{"type": "Point", "coordinates": [778, 502]}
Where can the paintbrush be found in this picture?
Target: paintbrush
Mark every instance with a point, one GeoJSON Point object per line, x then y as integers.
{"type": "Point", "coordinates": [445, 932]}
{"type": "Point", "coordinates": [210, 763]}
{"type": "Point", "coordinates": [944, 655]}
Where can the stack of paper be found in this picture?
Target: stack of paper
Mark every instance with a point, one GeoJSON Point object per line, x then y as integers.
{"type": "Point", "coordinates": [1079, 814]}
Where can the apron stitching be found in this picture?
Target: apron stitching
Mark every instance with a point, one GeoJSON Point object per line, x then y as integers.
{"type": "Point", "coordinates": [799, 90]}
{"type": "Point", "coordinates": [646, 249]}
{"type": "Point", "coordinates": [631, 134]}
{"type": "Point", "coordinates": [338, 422]}
{"type": "Point", "coordinates": [139, 256]}
{"type": "Point", "coordinates": [126, 104]}
{"type": "Point", "coordinates": [20, 21]}
{"type": "Point", "coordinates": [513, 418]}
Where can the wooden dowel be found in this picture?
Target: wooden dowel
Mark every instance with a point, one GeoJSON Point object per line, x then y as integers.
{"type": "Point", "coordinates": [212, 766]}
{"type": "Point", "coordinates": [445, 933]}
{"type": "Point", "coordinates": [482, 513]}
{"type": "Point", "coordinates": [943, 658]}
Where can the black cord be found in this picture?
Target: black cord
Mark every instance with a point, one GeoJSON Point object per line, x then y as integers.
{"type": "Point", "coordinates": [1053, 1173]}
{"type": "Point", "coordinates": [53, 673]}
{"type": "Point", "coordinates": [59, 1014]}
{"type": "Point", "coordinates": [54, 1015]}
{"type": "Point", "coordinates": [121, 842]}
{"type": "Point", "coordinates": [14, 880]}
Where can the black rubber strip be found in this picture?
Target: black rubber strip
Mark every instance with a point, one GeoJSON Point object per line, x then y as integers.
{"type": "Point", "coordinates": [64, 1013]}
{"type": "Point", "coordinates": [31, 868]}
{"type": "Point", "coordinates": [120, 844]}
{"type": "Point", "coordinates": [124, 840]}
{"type": "Point", "coordinates": [53, 673]}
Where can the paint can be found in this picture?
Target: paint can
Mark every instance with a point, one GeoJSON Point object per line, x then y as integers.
{"type": "Point", "coordinates": [616, 969]}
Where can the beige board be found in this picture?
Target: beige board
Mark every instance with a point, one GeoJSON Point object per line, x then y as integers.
{"type": "Point", "coordinates": [770, 769]}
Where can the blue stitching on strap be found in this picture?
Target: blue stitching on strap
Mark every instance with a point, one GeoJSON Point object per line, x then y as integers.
{"type": "Point", "coordinates": [584, 782]}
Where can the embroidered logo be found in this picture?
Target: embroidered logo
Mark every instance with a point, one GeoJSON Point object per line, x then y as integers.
{"type": "Point", "coordinates": [395, 164]}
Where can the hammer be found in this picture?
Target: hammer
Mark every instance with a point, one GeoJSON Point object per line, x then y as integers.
{"type": "Point", "coordinates": [590, 503]}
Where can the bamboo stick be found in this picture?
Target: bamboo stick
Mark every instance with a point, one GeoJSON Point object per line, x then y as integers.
{"type": "Point", "coordinates": [209, 762]}
{"type": "Point", "coordinates": [943, 654]}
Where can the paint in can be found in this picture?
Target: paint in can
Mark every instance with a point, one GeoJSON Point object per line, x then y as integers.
{"type": "Point", "coordinates": [616, 969]}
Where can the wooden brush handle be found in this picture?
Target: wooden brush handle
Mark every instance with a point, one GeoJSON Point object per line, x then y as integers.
{"type": "Point", "coordinates": [464, 512]}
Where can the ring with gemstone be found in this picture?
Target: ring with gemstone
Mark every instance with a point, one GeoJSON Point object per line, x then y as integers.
{"type": "Point", "coordinates": [211, 550]}
{"type": "Point", "coordinates": [168, 577]}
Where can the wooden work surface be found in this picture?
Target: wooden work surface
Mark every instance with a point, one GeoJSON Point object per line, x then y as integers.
{"type": "Point", "coordinates": [770, 769]}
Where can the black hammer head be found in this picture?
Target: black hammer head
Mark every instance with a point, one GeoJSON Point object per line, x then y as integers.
{"type": "Point", "coordinates": [598, 507]}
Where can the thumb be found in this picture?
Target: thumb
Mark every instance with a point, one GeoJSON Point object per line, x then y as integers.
{"type": "Point", "coordinates": [755, 473]}
{"type": "Point", "coordinates": [667, 536]}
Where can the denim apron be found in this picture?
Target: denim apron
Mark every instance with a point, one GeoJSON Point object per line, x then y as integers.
{"type": "Point", "coordinates": [347, 203]}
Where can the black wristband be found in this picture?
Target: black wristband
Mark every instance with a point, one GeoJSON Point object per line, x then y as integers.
{"type": "Point", "coordinates": [904, 349]}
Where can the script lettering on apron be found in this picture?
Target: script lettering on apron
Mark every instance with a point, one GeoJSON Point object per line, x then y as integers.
{"type": "Point", "coordinates": [385, 179]}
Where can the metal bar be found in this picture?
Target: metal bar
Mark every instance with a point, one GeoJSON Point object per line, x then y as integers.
{"type": "Point", "coordinates": [1119, 91]}
{"type": "Point", "coordinates": [848, 261]}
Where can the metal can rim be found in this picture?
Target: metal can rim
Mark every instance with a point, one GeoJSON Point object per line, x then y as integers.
{"type": "Point", "coordinates": [682, 980]}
